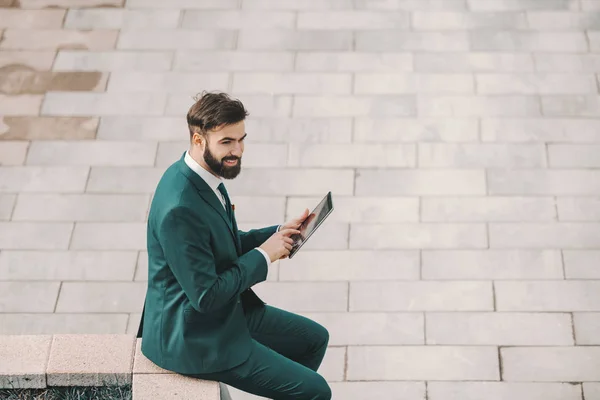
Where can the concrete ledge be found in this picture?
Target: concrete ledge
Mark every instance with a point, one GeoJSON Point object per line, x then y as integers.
{"type": "Point", "coordinates": [40, 361]}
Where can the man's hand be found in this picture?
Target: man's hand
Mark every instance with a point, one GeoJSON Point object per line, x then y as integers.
{"type": "Point", "coordinates": [295, 223]}
{"type": "Point", "coordinates": [279, 245]}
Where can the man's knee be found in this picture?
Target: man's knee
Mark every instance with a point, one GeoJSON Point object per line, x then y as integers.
{"type": "Point", "coordinates": [322, 334]}
{"type": "Point", "coordinates": [321, 389]}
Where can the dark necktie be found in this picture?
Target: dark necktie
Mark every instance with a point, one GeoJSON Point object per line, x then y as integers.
{"type": "Point", "coordinates": [227, 202]}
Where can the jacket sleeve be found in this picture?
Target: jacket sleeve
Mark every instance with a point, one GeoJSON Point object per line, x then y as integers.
{"type": "Point", "coordinates": [255, 237]}
{"type": "Point", "coordinates": [186, 245]}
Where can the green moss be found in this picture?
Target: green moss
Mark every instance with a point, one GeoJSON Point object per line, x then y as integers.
{"type": "Point", "coordinates": [69, 393]}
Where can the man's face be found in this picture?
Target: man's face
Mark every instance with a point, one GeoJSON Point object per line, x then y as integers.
{"type": "Point", "coordinates": [224, 149]}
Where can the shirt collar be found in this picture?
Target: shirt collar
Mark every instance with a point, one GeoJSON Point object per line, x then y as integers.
{"type": "Point", "coordinates": [209, 178]}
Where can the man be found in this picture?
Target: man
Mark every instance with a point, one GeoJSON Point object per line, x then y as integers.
{"type": "Point", "coordinates": [201, 317]}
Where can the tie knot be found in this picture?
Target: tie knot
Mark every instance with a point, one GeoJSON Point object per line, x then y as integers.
{"type": "Point", "coordinates": [222, 189]}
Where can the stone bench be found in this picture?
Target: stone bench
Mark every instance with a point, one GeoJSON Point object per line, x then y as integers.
{"type": "Point", "coordinates": [41, 361]}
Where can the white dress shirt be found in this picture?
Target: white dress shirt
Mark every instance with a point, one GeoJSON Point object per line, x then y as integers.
{"type": "Point", "coordinates": [214, 182]}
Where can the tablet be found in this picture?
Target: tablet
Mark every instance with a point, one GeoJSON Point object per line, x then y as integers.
{"type": "Point", "coordinates": [310, 224]}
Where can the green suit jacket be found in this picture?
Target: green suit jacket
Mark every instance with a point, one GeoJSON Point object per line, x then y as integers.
{"type": "Point", "coordinates": [200, 270]}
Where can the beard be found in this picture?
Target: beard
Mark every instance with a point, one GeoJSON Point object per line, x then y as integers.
{"type": "Point", "coordinates": [219, 167]}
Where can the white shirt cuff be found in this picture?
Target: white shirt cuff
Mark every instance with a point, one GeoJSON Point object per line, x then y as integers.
{"type": "Point", "coordinates": [264, 253]}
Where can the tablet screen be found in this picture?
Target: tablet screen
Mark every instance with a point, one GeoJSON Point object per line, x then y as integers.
{"type": "Point", "coordinates": [314, 219]}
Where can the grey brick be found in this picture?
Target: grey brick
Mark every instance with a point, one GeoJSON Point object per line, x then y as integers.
{"type": "Point", "coordinates": [354, 61]}
{"type": "Point", "coordinates": [362, 209]}
{"type": "Point", "coordinates": [222, 61]}
{"type": "Point", "coordinates": [121, 19]}
{"type": "Point", "coordinates": [540, 130]}
{"type": "Point", "coordinates": [473, 62]}
{"type": "Point", "coordinates": [590, 5]}
{"type": "Point", "coordinates": [310, 296]}
{"type": "Point", "coordinates": [81, 207]}
{"type": "Point", "coordinates": [330, 236]}
{"type": "Point", "coordinates": [165, 82]}
{"type": "Point", "coordinates": [333, 366]}
{"type": "Point", "coordinates": [285, 39]}
{"type": "Point", "coordinates": [514, 5]}
{"type": "Point", "coordinates": [491, 264]}
{"type": "Point", "coordinates": [26, 297]}
{"type": "Point", "coordinates": [479, 209]}
{"type": "Point", "coordinates": [142, 129]}
{"type": "Point", "coordinates": [506, 329]}
{"type": "Point", "coordinates": [503, 390]}
{"type": "Point", "coordinates": [85, 104]}
{"type": "Point", "coordinates": [292, 83]}
{"type": "Point", "coordinates": [591, 390]}
{"type": "Point", "coordinates": [420, 296]}
{"type": "Point", "coordinates": [553, 296]}
{"type": "Point", "coordinates": [411, 41]}
{"type": "Point", "coordinates": [39, 324]}
{"type": "Point", "coordinates": [560, 20]}
{"type": "Point", "coordinates": [535, 83]}
{"type": "Point", "coordinates": [73, 60]}
{"type": "Point", "coordinates": [123, 179]}
{"type": "Point", "coordinates": [109, 236]}
{"type": "Point", "coordinates": [352, 265]}
{"type": "Point", "coordinates": [438, 155]}
{"type": "Point", "coordinates": [587, 326]}
{"type": "Point", "coordinates": [420, 182]}
{"type": "Point", "coordinates": [141, 268]}
{"type": "Point", "coordinates": [352, 20]}
{"type": "Point", "coordinates": [31, 19]}
{"type": "Point", "coordinates": [37, 4]}
{"type": "Point", "coordinates": [526, 41]}
{"type": "Point", "coordinates": [536, 235]}
{"type": "Point", "coordinates": [371, 328]}
{"type": "Point", "coordinates": [33, 235]}
{"type": "Point", "coordinates": [101, 297]}
{"type": "Point", "coordinates": [378, 390]}
{"type": "Point", "coordinates": [156, 39]}
{"type": "Point", "coordinates": [571, 63]}
{"type": "Point", "coordinates": [91, 153]}
{"type": "Point", "coordinates": [237, 19]}
{"type": "Point", "coordinates": [582, 264]}
{"type": "Point", "coordinates": [571, 105]}
{"type": "Point", "coordinates": [544, 182]}
{"type": "Point", "coordinates": [574, 156]}
{"type": "Point", "coordinates": [67, 265]}
{"type": "Point", "coordinates": [297, 4]}
{"type": "Point", "coordinates": [183, 4]}
{"type": "Point", "coordinates": [352, 155]}
{"type": "Point", "coordinates": [43, 179]}
{"type": "Point", "coordinates": [384, 83]}
{"type": "Point", "coordinates": [355, 106]}
{"type": "Point", "coordinates": [478, 106]}
{"type": "Point", "coordinates": [412, 5]}
{"type": "Point", "coordinates": [7, 204]}
{"type": "Point", "coordinates": [594, 40]}
{"type": "Point", "coordinates": [551, 364]}
{"type": "Point", "coordinates": [258, 105]}
{"type": "Point", "coordinates": [259, 209]}
{"type": "Point", "coordinates": [299, 130]}
{"type": "Point", "coordinates": [13, 152]}
{"type": "Point", "coordinates": [415, 130]}
{"type": "Point", "coordinates": [51, 39]}
{"type": "Point", "coordinates": [451, 20]}
{"type": "Point", "coordinates": [419, 363]}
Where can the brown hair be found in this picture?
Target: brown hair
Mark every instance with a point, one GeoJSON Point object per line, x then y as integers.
{"type": "Point", "coordinates": [213, 109]}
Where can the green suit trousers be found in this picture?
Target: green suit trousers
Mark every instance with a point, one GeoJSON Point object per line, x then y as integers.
{"type": "Point", "coordinates": [287, 351]}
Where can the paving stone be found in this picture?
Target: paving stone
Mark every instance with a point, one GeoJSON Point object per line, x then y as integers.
{"type": "Point", "coordinates": [412, 41]}
{"type": "Point", "coordinates": [484, 106]}
{"type": "Point", "coordinates": [452, 20]}
{"type": "Point", "coordinates": [506, 329]}
{"type": "Point", "coordinates": [582, 264]}
{"type": "Point", "coordinates": [20, 105]}
{"type": "Point", "coordinates": [123, 180]}
{"type": "Point", "coordinates": [352, 20]}
{"type": "Point", "coordinates": [292, 83]}
{"type": "Point", "coordinates": [551, 364]}
{"type": "Point", "coordinates": [573, 156]}
{"type": "Point", "coordinates": [156, 39]}
{"type": "Point", "coordinates": [67, 265]}
{"type": "Point", "coordinates": [165, 82]}
{"type": "Point", "coordinates": [29, 179]}
{"type": "Point", "coordinates": [90, 360]}
{"type": "Point", "coordinates": [371, 328]}
{"type": "Point", "coordinates": [238, 19]}
{"type": "Point", "coordinates": [416, 363]}
{"type": "Point", "coordinates": [571, 105]}
{"type": "Point", "coordinates": [560, 20]}
{"type": "Point", "coordinates": [532, 83]}
{"type": "Point", "coordinates": [334, 364]}
{"type": "Point", "coordinates": [101, 297]}
{"type": "Point", "coordinates": [143, 129]}
{"type": "Point", "coordinates": [491, 264]}
{"type": "Point", "coordinates": [536, 235]}
{"type": "Point", "coordinates": [16, 80]}
{"type": "Point", "coordinates": [439, 155]}
{"type": "Point", "coordinates": [7, 204]}
{"type": "Point", "coordinates": [353, 265]}
{"type": "Point", "coordinates": [419, 182]}
{"type": "Point", "coordinates": [49, 39]}
{"type": "Point", "coordinates": [68, 60]}
{"type": "Point", "coordinates": [527, 41]}
{"type": "Point", "coordinates": [411, 5]}
{"type": "Point", "coordinates": [35, 235]}
{"type": "Point", "coordinates": [488, 208]}
{"type": "Point", "coordinates": [310, 296]}
{"type": "Point", "coordinates": [590, 5]}
{"type": "Point", "coordinates": [258, 105]}
{"type": "Point", "coordinates": [355, 106]}
{"type": "Point", "coordinates": [544, 182]}
{"type": "Point", "coordinates": [28, 297]}
{"type": "Point", "coordinates": [109, 236]}
{"type": "Point", "coordinates": [420, 296]}
{"type": "Point", "coordinates": [94, 153]}
{"type": "Point", "coordinates": [13, 152]}
{"type": "Point", "coordinates": [24, 359]}
{"type": "Point", "coordinates": [297, 4]}
{"type": "Point", "coordinates": [591, 390]}
{"type": "Point", "coordinates": [70, 3]}
{"type": "Point", "coordinates": [222, 61]}
{"type": "Point", "coordinates": [31, 19]}
{"type": "Point", "coordinates": [285, 39]}
{"type": "Point", "coordinates": [47, 128]}
{"type": "Point", "coordinates": [121, 19]}
{"type": "Point", "coordinates": [587, 326]}
{"type": "Point", "coordinates": [566, 62]}
{"type": "Point", "coordinates": [594, 40]}
{"type": "Point", "coordinates": [161, 386]}
{"type": "Point", "coordinates": [38, 324]}
{"type": "Point", "coordinates": [552, 296]}
{"type": "Point", "coordinates": [352, 155]}
{"type": "Point", "coordinates": [100, 104]}
{"type": "Point", "coordinates": [38, 60]}
{"type": "Point", "coordinates": [299, 130]}
{"type": "Point", "coordinates": [540, 130]}
{"type": "Point", "coordinates": [392, 130]}
{"type": "Point", "coordinates": [379, 390]}
{"type": "Point", "coordinates": [255, 156]}
{"type": "Point", "coordinates": [354, 61]}
{"type": "Point", "coordinates": [474, 61]}
{"type": "Point", "coordinates": [141, 268]}
{"type": "Point", "coordinates": [256, 209]}
{"type": "Point", "coordinates": [503, 390]}
{"type": "Point", "coordinates": [384, 83]}
{"type": "Point", "coordinates": [184, 4]}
